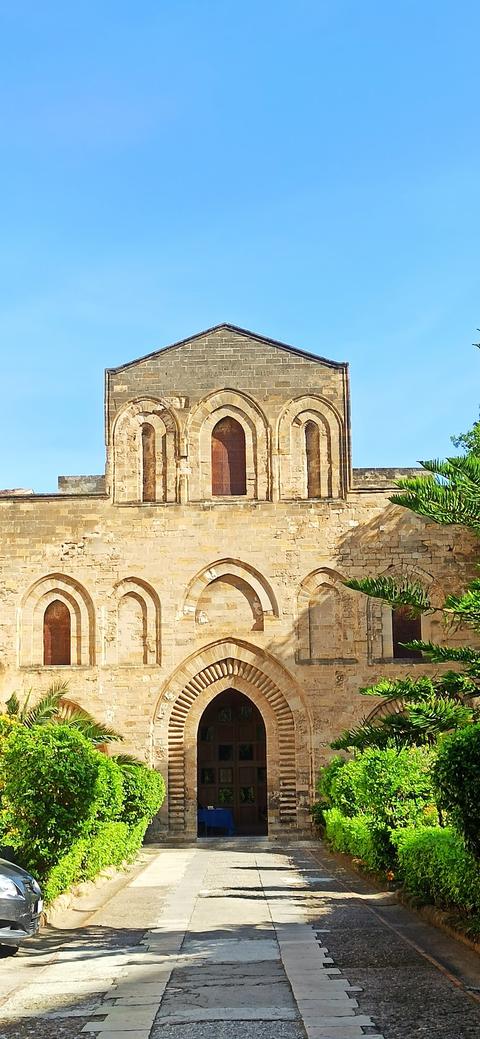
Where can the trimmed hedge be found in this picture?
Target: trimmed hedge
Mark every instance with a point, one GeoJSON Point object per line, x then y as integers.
{"type": "Point", "coordinates": [435, 865]}
{"type": "Point", "coordinates": [353, 835]}
{"type": "Point", "coordinates": [456, 774]}
{"type": "Point", "coordinates": [68, 810]}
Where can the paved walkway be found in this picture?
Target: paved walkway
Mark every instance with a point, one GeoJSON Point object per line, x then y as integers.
{"type": "Point", "coordinates": [235, 940]}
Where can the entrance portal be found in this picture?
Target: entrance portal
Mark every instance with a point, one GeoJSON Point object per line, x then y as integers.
{"type": "Point", "coordinates": [232, 761]}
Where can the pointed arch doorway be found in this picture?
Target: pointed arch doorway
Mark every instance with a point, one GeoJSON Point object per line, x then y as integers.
{"type": "Point", "coordinates": [232, 761]}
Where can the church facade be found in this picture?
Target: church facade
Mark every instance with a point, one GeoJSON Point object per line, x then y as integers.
{"type": "Point", "coordinates": [193, 596]}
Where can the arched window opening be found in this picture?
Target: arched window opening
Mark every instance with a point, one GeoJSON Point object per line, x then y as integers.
{"type": "Point", "coordinates": [312, 451]}
{"type": "Point", "coordinates": [229, 470]}
{"type": "Point", "coordinates": [57, 634]}
{"type": "Point", "coordinates": [405, 628]}
{"type": "Point", "coordinates": [148, 463]}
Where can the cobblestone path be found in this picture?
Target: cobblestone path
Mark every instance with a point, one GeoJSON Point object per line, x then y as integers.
{"type": "Point", "coordinates": [243, 939]}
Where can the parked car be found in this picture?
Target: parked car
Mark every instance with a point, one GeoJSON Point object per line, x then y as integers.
{"type": "Point", "coordinates": [20, 905]}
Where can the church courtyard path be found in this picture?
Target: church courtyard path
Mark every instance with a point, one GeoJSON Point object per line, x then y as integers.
{"type": "Point", "coordinates": [240, 939]}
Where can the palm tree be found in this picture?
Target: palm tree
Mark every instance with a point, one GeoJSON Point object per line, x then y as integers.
{"type": "Point", "coordinates": [54, 707]}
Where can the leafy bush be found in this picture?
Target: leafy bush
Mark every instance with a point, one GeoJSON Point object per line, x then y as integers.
{"type": "Point", "coordinates": [346, 788]}
{"type": "Point", "coordinates": [380, 791]}
{"type": "Point", "coordinates": [396, 786]}
{"type": "Point", "coordinates": [109, 792]}
{"type": "Point", "coordinates": [66, 871]}
{"type": "Point", "coordinates": [144, 793]}
{"type": "Point", "coordinates": [352, 835]}
{"type": "Point", "coordinates": [50, 776]}
{"type": "Point", "coordinates": [456, 775]}
{"type": "Point", "coordinates": [435, 865]}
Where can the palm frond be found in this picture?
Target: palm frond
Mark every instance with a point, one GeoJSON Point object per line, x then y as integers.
{"type": "Point", "coordinates": [440, 654]}
{"type": "Point", "coordinates": [80, 719]}
{"type": "Point", "coordinates": [46, 708]}
{"type": "Point", "coordinates": [127, 759]}
{"type": "Point", "coordinates": [395, 592]}
{"type": "Point", "coordinates": [13, 705]}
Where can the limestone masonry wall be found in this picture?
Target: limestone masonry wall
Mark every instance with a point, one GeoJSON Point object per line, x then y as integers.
{"type": "Point", "coordinates": [175, 599]}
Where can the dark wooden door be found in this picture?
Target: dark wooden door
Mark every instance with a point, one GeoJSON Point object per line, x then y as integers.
{"type": "Point", "coordinates": [232, 761]}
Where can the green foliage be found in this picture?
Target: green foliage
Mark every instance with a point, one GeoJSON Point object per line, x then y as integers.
{"type": "Point", "coordinates": [144, 793]}
{"type": "Point", "coordinates": [386, 790]}
{"type": "Point", "coordinates": [435, 866]}
{"type": "Point", "coordinates": [108, 801]}
{"type": "Point", "coordinates": [469, 442]}
{"type": "Point", "coordinates": [52, 707]}
{"type": "Point", "coordinates": [68, 809]}
{"type": "Point", "coordinates": [112, 844]}
{"type": "Point", "coordinates": [50, 775]}
{"type": "Point", "coordinates": [353, 835]}
{"type": "Point", "coordinates": [422, 709]}
{"type": "Point", "coordinates": [65, 872]}
{"type": "Point", "coordinates": [394, 592]}
{"type": "Point", "coordinates": [449, 494]}
{"type": "Point", "coordinates": [456, 775]}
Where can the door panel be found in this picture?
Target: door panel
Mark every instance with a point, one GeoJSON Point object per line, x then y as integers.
{"type": "Point", "coordinates": [232, 763]}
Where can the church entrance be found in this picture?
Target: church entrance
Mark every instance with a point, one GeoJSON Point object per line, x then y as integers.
{"type": "Point", "coordinates": [232, 766]}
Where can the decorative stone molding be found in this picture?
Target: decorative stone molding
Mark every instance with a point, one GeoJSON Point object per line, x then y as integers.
{"type": "Point", "coordinates": [248, 581]}
{"type": "Point", "coordinates": [379, 617]}
{"type": "Point", "coordinates": [200, 425]}
{"type": "Point", "coordinates": [237, 665]}
{"type": "Point", "coordinates": [127, 477]}
{"type": "Point", "coordinates": [32, 610]}
{"type": "Point", "coordinates": [326, 619]}
{"type": "Point", "coordinates": [140, 606]}
{"type": "Point", "coordinates": [292, 450]}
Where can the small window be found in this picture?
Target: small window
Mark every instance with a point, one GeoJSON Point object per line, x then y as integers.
{"type": "Point", "coordinates": [149, 491]}
{"type": "Point", "coordinates": [229, 470]}
{"type": "Point", "coordinates": [405, 628]}
{"type": "Point", "coordinates": [57, 634]}
{"type": "Point", "coordinates": [312, 452]}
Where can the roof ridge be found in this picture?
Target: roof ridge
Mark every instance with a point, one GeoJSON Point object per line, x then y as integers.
{"type": "Point", "coordinates": [241, 331]}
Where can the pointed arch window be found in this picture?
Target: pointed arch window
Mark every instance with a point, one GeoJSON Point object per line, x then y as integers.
{"type": "Point", "coordinates": [405, 628]}
{"type": "Point", "coordinates": [229, 469]}
{"type": "Point", "coordinates": [57, 634]}
{"type": "Point", "coordinates": [312, 452]}
{"type": "Point", "coordinates": [149, 490]}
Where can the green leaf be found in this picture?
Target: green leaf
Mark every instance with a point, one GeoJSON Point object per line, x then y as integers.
{"type": "Point", "coordinates": [395, 592]}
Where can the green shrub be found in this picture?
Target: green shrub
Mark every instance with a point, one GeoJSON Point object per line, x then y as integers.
{"type": "Point", "coordinates": [346, 787]}
{"type": "Point", "coordinates": [353, 835]}
{"type": "Point", "coordinates": [144, 793]}
{"type": "Point", "coordinates": [50, 776]}
{"type": "Point", "coordinates": [435, 865]}
{"type": "Point", "coordinates": [456, 775]}
{"type": "Point", "coordinates": [66, 871]}
{"type": "Point", "coordinates": [396, 787]}
{"type": "Point", "coordinates": [109, 793]}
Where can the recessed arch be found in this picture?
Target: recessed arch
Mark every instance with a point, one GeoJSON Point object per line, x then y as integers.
{"type": "Point", "coordinates": [237, 665]}
{"type": "Point", "coordinates": [68, 591]}
{"type": "Point", "coordinates": [381, 634]}
{"type": "Point", "coordinates": [321, 417]}
{"type": "Point", "coordinates": [230, 567]}
{"type": "Point", "coordinates": [131, 449]}
{"type": "Point", "coordinates": [223, 404]}
{"type": "Point", "coordinates": [326, 619]}
{"type": "Point", "coordinates": [135, 624]}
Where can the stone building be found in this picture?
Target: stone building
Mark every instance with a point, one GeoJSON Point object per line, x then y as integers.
{"type": "Point", "coordinates": [192, 596]}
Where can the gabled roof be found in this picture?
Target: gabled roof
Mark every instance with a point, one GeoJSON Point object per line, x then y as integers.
{"type": "Point", "coordinates": [240, 331]}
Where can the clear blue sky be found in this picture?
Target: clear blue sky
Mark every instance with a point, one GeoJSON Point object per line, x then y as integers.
{"type": "Point", "coordinates": [306, 169]}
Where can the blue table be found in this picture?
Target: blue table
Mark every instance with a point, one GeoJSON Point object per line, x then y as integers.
{"type": "Point", "coordinates": [216, 818]}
